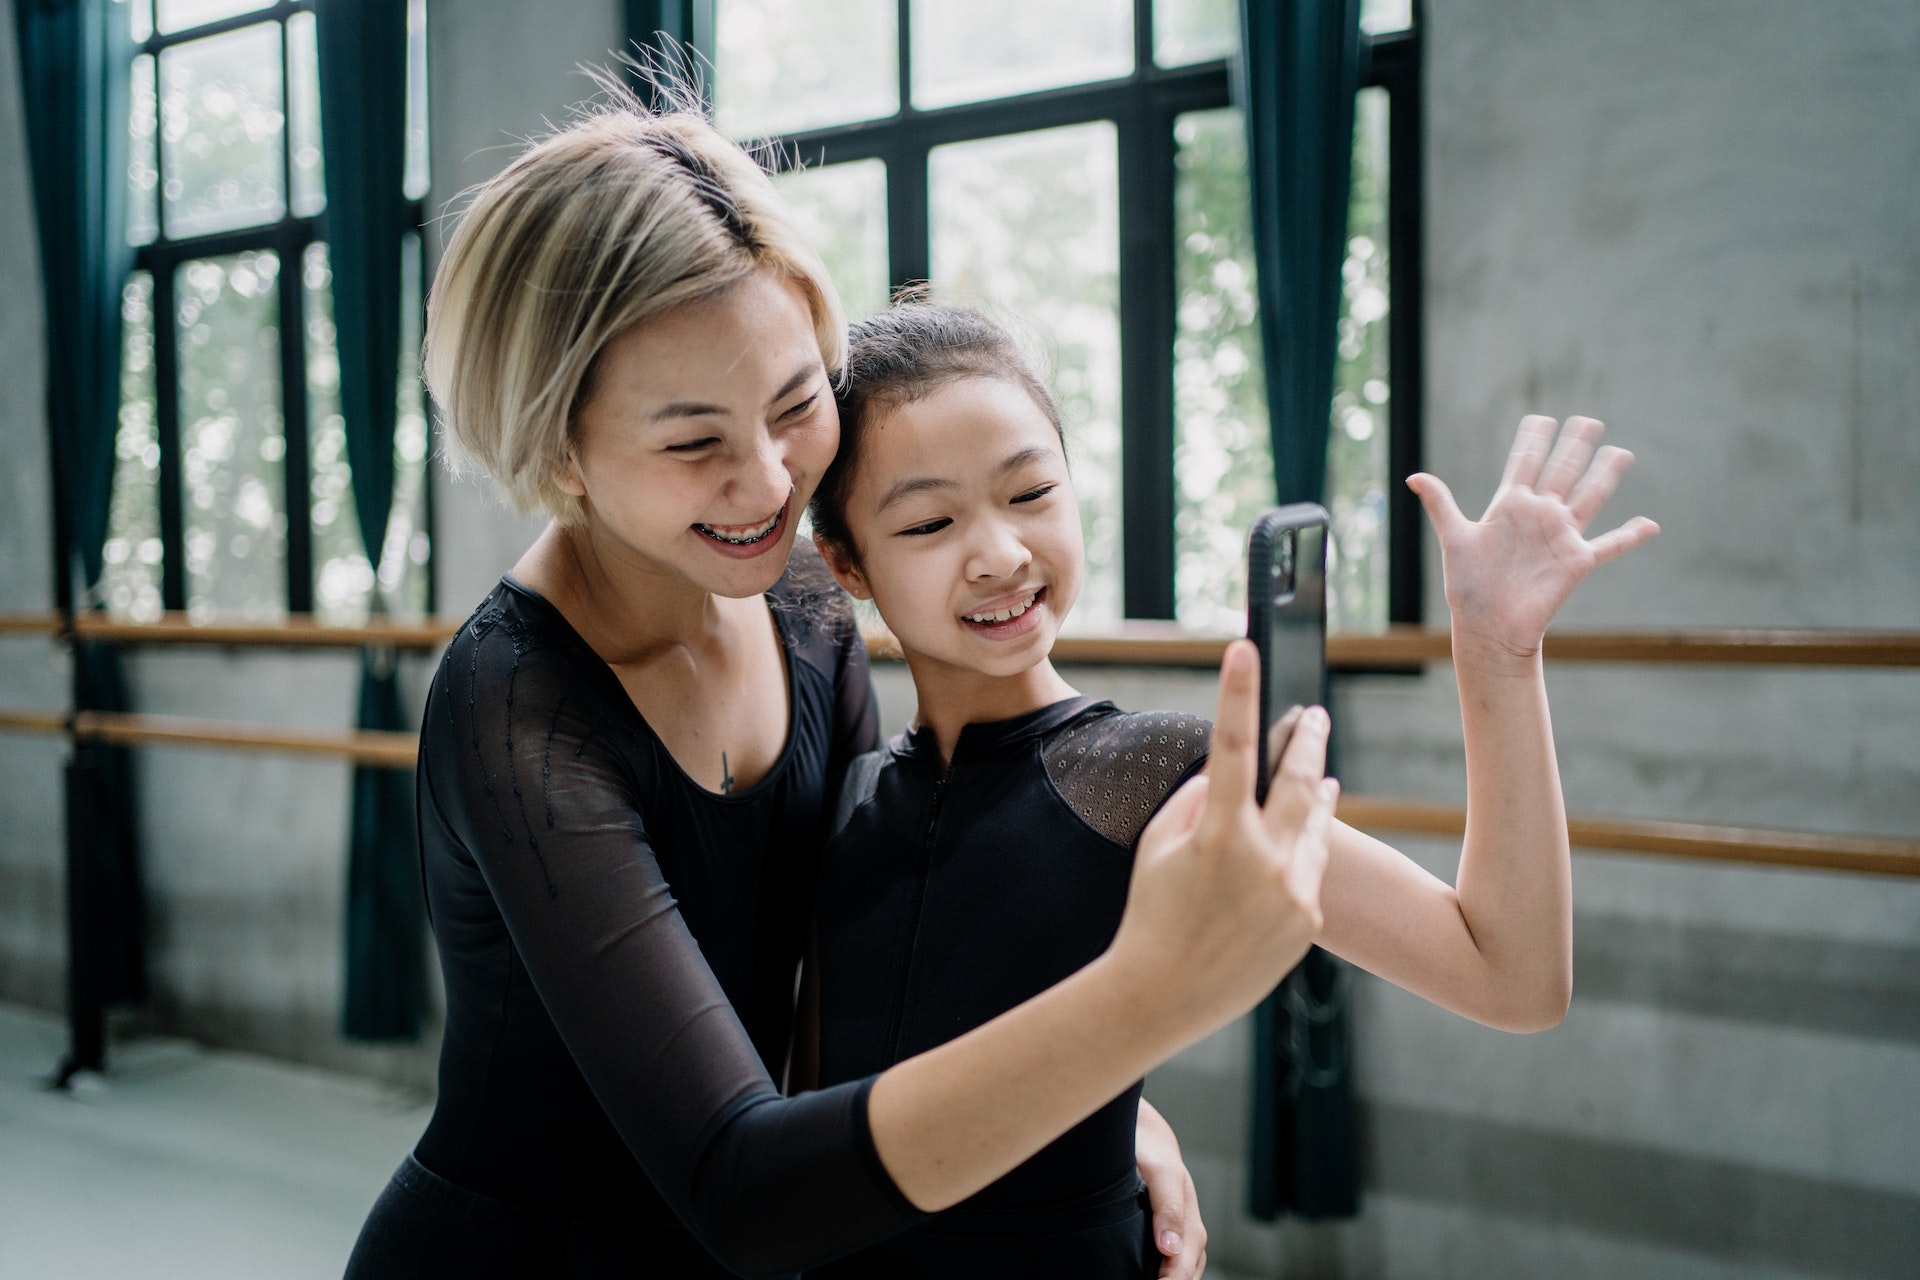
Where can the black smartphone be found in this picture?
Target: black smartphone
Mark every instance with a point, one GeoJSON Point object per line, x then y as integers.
{"type": "Point", "coordinates": [1287, 620]}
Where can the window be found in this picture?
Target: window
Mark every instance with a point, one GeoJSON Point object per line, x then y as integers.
{"type": "Point", "coordinates": [1079, 166]}
{"type": "Point", "coordinates": [231, 491]}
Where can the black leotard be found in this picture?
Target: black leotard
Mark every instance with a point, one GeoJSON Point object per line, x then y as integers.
{"type": "Point", "coordinates": [619, 948]}
{"type": "Point", "coordinates": [946, 898]}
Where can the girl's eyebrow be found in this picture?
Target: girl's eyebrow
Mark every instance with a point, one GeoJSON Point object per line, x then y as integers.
{"type": "Point", "coordinates": [922, 484]}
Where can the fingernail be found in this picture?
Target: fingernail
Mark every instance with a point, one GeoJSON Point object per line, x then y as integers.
{"type": "Point", "coordinates": [1238, 660]}
{"type": "Point", "coordinates": [1317, 717]}
{"type": "Point", "coordinates": [1169, 1242]}
{"type": "Point", "coordinates": [1330, 788]}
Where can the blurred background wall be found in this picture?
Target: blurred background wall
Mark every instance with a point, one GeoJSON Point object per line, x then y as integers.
{"type": "Point", "coordinates": [1698, 222]}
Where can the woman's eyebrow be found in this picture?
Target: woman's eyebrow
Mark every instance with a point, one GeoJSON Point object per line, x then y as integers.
{"type": "Point", "coordinates": [697, 408]}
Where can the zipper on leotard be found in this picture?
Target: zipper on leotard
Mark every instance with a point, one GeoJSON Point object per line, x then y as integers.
{"type": "Point", "coordinates": [919, 902]}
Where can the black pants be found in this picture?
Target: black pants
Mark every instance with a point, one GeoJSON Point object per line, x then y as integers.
{"type": "Point", "coordinates": [423, 1227]}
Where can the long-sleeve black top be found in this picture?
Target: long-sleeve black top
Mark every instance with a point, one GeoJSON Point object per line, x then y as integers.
{"type": "Point", "coordinates": [950, 895]}
{"type": "Point", "coordinates": [620, 945]}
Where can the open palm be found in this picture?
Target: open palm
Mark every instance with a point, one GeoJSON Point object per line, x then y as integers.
{"type": "Point", "coordinates": [1508, 573]}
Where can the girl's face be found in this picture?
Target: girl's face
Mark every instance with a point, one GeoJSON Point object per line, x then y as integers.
{"type": "Point", "coordinates": [967, 529]}
{"type": "Point", "coordinates": [705, 433]}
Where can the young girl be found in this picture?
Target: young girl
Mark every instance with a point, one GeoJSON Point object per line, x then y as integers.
{"type": "Point", "coordinates": [984, 854]}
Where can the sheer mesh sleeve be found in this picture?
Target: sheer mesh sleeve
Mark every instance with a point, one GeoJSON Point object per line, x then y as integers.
{"type": "Point", "coordinates": [1116, 771]}
{"type": "Point", "coordinates": [526, 766]}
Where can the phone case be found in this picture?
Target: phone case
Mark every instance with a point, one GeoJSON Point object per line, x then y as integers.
{"type": "Point", "coordinates": [1287, 616]}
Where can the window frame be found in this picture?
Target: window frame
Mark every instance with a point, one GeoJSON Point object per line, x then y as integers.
{"type": "Point", "coordinates": [1144, 107]}
{"type": "Point", "coordinates": [289, 238]}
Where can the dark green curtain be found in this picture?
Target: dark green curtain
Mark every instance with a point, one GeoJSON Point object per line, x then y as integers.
{"type": "Point", "coordinates": [1295, 80]}
{"type": "Point", "coordinates": [74, 61]}
{"type": "Point", "coordinates": [363, 116]}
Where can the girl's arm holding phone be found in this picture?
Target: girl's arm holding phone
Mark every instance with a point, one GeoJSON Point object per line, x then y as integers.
{"type": "Point", "coordinates": [1496, 947]}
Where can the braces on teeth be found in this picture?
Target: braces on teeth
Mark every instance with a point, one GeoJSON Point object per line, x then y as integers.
{"type": "Point", "coordinates": [744, 539]}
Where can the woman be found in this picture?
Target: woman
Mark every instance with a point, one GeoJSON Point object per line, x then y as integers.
{"type": "Point", "coordinates": [626, 761]}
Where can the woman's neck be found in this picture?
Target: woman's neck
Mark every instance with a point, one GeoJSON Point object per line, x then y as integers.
{"type": "Point", "coordinates": [626, 608]}
{"type": "Point", "coordinates": [951, 698]}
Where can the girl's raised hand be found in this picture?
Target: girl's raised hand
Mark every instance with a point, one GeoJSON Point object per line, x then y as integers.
{"type": "Point", "coordinates": [1508, 573]}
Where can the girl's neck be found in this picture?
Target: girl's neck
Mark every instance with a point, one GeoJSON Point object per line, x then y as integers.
{"type": "Point", "coordinates": [951, 698]}
{"type": "Point", "coordinates": [628, 609]}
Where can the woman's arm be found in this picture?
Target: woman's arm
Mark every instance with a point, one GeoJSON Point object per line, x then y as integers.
{"type": "Point", "coordinates": [526, 772]}
{"type": "Point", "coordinates": [1497, 946]}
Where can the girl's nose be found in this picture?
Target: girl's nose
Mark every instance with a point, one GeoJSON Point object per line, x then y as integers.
{"type": "Point", "coordinates": [997, 552]}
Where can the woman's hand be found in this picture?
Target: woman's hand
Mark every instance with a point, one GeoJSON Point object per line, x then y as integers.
{"type": "Point", "coordinates": [1177, 1228]}
{"type": "Point", "coordinates": [1225, 896]}
{"type": "Point", "coordinates": [1508, 573]}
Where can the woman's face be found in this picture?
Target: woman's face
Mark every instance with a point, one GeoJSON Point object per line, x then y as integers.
{"type": "Point", "coordinates": [705, 433]}
{"type": "Point", "coordinates": [967, 528]}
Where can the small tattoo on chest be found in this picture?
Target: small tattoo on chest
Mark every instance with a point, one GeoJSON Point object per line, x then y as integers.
{"type": "Point", "coordinates": [726, 776]}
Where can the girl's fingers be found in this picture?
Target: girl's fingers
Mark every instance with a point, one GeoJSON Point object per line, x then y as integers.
{"type": "Point", "coordinates": [1569, 459]}
{"type": "Point", "coordinates": [1530, 448]}
{"type": "Point", "coordinates": [1434, 495]}
{"type": "Point", "coordinates": [1602, 478]}
{"type": "Point", "coordinates": [1308, 866]}
{"type": "Point", "coordinates": [1231, 764]}
{"type": "Point", "coordinates": [1296, 786]}
{"type": "Point", "coordinates": [1611, 546]}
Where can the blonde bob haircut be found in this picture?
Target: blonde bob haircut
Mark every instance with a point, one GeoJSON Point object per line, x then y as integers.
{"type": "Point", "coordinates": [613, 220]}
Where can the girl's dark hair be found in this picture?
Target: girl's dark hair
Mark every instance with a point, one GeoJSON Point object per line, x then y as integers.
{"type": "Point", "coordinates": [904, 353]}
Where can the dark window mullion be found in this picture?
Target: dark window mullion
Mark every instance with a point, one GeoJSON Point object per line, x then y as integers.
{"type": "Point", "coordinates": [166, 388]}
{"type": "Point", "coordinates": [1147, 302]}
{"type": "Point", "coordinates": [909, 225]}
{"type": "Point", "coordinates": [297, 505]}
{"type": "Point", "coordinates": [1406, 290]}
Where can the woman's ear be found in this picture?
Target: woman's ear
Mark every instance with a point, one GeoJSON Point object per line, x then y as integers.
{"type": "Point", "coordinates": [845, 571]}
{"type": "Point", "coordinates": [566, 476]}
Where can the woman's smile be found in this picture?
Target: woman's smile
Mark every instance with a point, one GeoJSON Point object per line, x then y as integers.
{"type": "Point", "coordinates": [746, 541]}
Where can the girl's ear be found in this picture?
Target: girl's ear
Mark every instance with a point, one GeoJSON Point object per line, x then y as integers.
{"type": "Point", "coordinates": [845, 571]}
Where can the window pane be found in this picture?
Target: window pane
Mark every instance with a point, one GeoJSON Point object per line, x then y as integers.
{"type": "Point", "coordinates": [1385, 15]}
{"type": "Point", "coordinates": [143, 155]}
{"type": "Point", "coordinates": [178, 15]}
{"type": "Point", "coordinates": [303, 116]}
{"type": "Point", "coordinates": [415, 184]}
{"type": "Point", "coordinates": [343, 577]}
{"type": "Point", "coordinates": [968, 50]}
{"type": "Point", "coordinates": [1357, 443]}
{"type": "Point", "coordinates": [232, 437]}
{"type": "Point", "coordinates": [140, 20]}
{"type": "Point", "coordinates": [786, 65]}
{"type": "Point", "coordinates": [842, 208]}
{"type": "Point", "coordinates": [221, 116]}
{"type": "Point", "coordinates": [1187, 31]}
{"type": "Point", "coordinates": [1030, 224]}
{"type": "Point", "coordinates": [1222, 453]}
{"type": "Point", "coordinates": [130, 578]}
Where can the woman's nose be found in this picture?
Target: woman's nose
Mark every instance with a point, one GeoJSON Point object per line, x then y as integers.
{"type": "Point", "coordinates": [762, 482]}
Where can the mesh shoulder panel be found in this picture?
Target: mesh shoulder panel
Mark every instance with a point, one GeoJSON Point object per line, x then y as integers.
{"type": "Point", "coordinates": [1116, 770]}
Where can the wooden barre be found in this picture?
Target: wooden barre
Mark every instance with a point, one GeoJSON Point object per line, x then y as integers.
{"type": "Point", "coordinates": [1874, 855]}
{"type": "Point", "coordinates": [1142, 644]}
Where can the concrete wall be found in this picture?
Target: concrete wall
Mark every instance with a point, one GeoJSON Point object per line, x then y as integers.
{"type": "Point", "coordinates": [1697, 222]}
